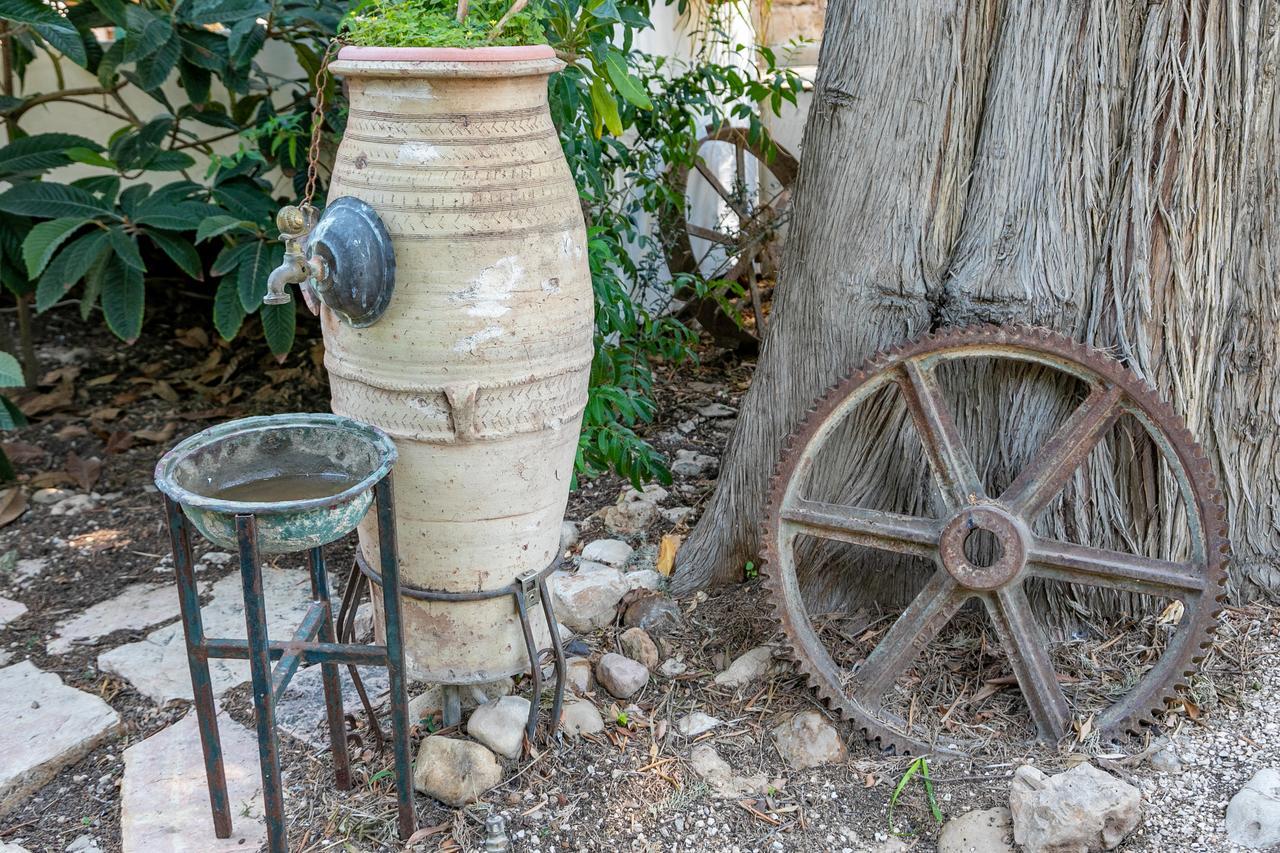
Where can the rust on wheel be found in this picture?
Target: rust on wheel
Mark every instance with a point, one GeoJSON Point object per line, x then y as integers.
{"type": "Point", "coordinates": [1006, 520]}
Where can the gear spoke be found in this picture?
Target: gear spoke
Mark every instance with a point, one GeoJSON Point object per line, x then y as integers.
{"type": "Point", "coordinates": [883, 531]}
{"type": "Point", "coordinates": [948, 458]}
{"type": "Point", "coordinates": [1064, 561]}
{"type": "Point", "coordinates": [932, 608]}
{"type": "Point", "coordinates": [1025, 647]}
{"type": "Point", "coordinates": [1045, 477]}
{"type": "Point", "coordinates": [711, 178]}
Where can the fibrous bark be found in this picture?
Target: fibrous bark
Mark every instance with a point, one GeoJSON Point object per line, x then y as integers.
{"type": "Point", "coordinates": [1109, 169]}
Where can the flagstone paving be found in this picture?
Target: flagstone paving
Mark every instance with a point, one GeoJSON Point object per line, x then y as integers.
{"type": "Point", "coordinates": [10, 610]}
{"type": "Point", "coordinates": [139, 606]}
{"type": "Point", "coordinates": [157, 665]}
{"type": "Point", "coordinates": [47, 726]}
{"type": "Point", "coordinates": [164, 803]}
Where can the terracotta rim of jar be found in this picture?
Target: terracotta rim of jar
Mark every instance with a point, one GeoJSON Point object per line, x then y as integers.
{"type": "Point", "coordinates": [496, 53]}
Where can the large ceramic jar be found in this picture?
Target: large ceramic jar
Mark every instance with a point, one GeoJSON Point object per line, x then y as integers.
{"type": "Point", "coordinates": [479, 367]}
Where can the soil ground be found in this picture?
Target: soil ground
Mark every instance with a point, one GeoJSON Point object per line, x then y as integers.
{"type": "Point", "coordinates": [628, 789]}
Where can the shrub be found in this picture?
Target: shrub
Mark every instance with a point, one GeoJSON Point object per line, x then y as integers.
{"type": "Point", "coordinates": [154, 206]}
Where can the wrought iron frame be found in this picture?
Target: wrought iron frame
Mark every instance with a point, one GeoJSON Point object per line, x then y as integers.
{"type": "Point", "coordinates": [314, 641]}
{"type": "Point", "coordinates": [527, 589]}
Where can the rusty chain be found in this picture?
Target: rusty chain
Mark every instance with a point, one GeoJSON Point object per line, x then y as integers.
{"type": "Point", "coordinates": [317, 126]}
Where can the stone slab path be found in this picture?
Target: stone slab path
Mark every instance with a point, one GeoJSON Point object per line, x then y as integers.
{"type": "Point", "coordinates": [157, 665]}
{"type": "Point", "coordinates": [164, 804]}
{"type": "Point", "coordinates": [139, 606]}
{"type": "Point", "coordinates": [10, 610]}
{"type": "Point", "coordinates": [47, 726]}
{"type": "Point", "coordinates": [301, 711]}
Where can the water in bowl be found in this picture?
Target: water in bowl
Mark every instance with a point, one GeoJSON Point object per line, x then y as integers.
{"type": "Point", "coordinates": [286, 487]}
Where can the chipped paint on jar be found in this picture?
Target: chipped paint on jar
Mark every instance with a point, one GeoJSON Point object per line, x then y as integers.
{"type": "Point", "coordinates": [479, 367]}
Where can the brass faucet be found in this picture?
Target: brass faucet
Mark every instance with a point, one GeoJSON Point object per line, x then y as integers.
{"type": "Point", "coordinates": [295, 224]}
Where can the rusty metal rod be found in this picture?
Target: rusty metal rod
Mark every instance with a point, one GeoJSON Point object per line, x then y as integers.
{"type": "Point", "coordinates": [308, 628]}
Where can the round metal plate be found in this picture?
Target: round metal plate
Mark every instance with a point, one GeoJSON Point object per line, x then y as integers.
{"type": "Point", "coordinates": [356, 250]}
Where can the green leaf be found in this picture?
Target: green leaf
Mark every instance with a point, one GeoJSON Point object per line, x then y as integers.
{"type": "Point", "coordinates": [172, 216]}
{"type": "Point", "coordinates": [126, 248]}
{"type": "Point", "coordinates": [627, 85]}
{"type": "Point", "coordinates": [228, 313]}
{"type": "Point", "coordinates": [11, 417]}
{"type": "Point", "coordinates": [114, 10]}
{"type": "Point", "coordinates": [196, 81]}
{"type": "Point", "coordinates": [10, 372]}
{"type": "Point", "coordinates": [66, 39]}
{"type": "Point", "coordinates": [31, 12]}
{"type": "Point", "coordinates": [605, 107]}
{"type": "Point", "coordinates": [43, 240]}
{"type": "Point", "coordinates": [123, 300]}
{"type": "Point", "coordinates": [251, 275]}
{"type": "Point", "coordinates": [93, 281]}
{"type": "Point", "coordinates": [180, 251]}
{"type": "Point", "coordinates": [278, 326]}
{"type": "Point", "coordinates": [223, 11]}
{"type": "Point", "coordinates": [245, 40]}
{"type": "Point", "coordinates": [48, 201]}
{"type": "Point", "coordinates": [147, 33]}
{"type": "Point", "coordinates": [68, 267]}
{"type": "Point", "coordinates": [212, 226]}
{"type": "Point", "coordinates": [89, 157]}
{"type": "Point", "coordinates": [170, 161]}
{"type": "Point", "coordinates": [154, 69]}
{"type": "Point", "coordinates": [33, 154]}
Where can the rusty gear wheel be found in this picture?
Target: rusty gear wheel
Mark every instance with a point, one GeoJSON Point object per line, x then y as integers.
{"type": "Point", "coordinates": [1113, 390]}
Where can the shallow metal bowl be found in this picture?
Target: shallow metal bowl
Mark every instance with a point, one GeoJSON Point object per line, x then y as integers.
{"type": "Point", "coordinates": [253, 449]}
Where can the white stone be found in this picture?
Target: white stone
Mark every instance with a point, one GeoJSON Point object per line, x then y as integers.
{"type": "Point", "coordinates": [611, 552]}
{"type": "Point", "coordinates": [1165, 758]}
{"type": "Point", "coordinates": [47, 497]}
{"type": "Point", "coordinates": [581, 717]}
{"type": "Point", "coordinates": [10, 610]}
{"type": "Point", "coordinates": [719, 776]}
{"type": "Point", "coordinates": [672, 667]}
{"type": "Point", "coordinates": [717, 410]}
{"type": "Point", "coordinates": [47, 726]}
{"type": "Point", "coordinates": [808, 740]}
{"type": "Point", "coordinates": [643, 579]}
{"type": "Point", "coordinates": [587, 601]}
{"type": "Point", "coordinates": [214, 558]}
{"type": "Point", "coordinates": [139, 606]}
{"type": "Point", "coordinates": [1079, 811]}
{"type": "Point", "coordinates": [157, 665]}
{"type": "Point", "coordinates": [362, 625]}
{"type": "Point", "coordinates": [25, 571]}
{"type": "Point", "coordinates": [301, 711]}
{"type": "Point", "coordinates": [748, 669]}
{"type": "Point", "coordinates": [84, 844]}
{"type": "Point", "coordinates": [75, 504]}
{"type": "Point", "coordinates": [164, 803]}
{"type": "Point", "coordinates": [697, 723]}
{"type": "Point", "coordinates": [676, 514]}
{"type": "Point", "coordinates": [691, 463]}
{"type": "Point", "coordinates": [578, 674]}
{"type": "Point", "coordinates": [568, 535]}
{"type": "Point", "coordinates": [978, 831]}
{"type": "Point", "coordinates": [1253, 815]}
{"type": "Point", "coordinates": [455, 772]}
{"type": "Point", "coordinates": [621, 676]}
{"type": "Point", "coordinates": [630, 516]}
{"type": "Point", "coordinates": [500, 724]}
{"type": "Point", "coordinates": [6, 847]}
{"type": "Point", "coordinates": [639, 646]}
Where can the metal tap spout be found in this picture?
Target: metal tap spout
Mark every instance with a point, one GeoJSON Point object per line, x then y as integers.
{"type": "Point", "coordinates": [294, 224]}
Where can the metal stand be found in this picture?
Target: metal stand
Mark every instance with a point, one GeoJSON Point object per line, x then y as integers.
{"type": "Point", "coordinates": [528, 589]}
{"type": "Point", "coordinates": [313, 642]}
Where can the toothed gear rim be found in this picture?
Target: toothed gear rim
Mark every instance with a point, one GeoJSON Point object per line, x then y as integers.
{"type": "Point", "coordinates": [1114, 390]}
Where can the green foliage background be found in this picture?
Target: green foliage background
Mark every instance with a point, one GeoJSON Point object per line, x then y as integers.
{"type": "Point", "coordinates": [152, 211]}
